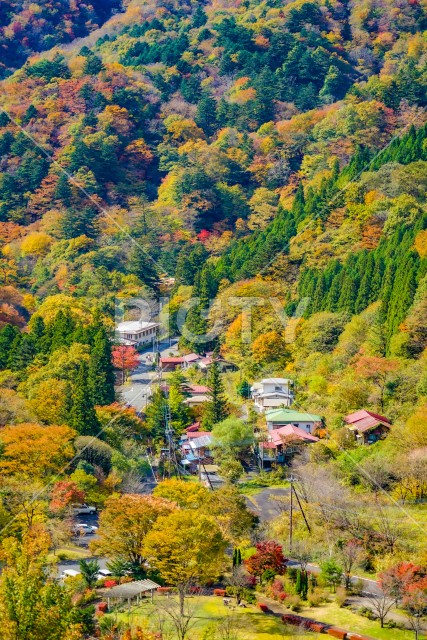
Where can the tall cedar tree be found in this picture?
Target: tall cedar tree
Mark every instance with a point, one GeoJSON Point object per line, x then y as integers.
{"type": "Point", "coordinates": [142, 266]}
{"type": "Point", "coordinates": [82, 414]}
{"type": "Point", "coordinates": [216, 408]}
{"type": "Point", "coordinates": [100, 372]}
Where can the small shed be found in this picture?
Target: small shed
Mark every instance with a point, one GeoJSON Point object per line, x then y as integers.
{"type": "Point", "coordinates": [130, 591]}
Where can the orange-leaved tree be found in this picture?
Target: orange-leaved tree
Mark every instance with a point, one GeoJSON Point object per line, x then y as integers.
{"type": "Point", "coordinates": [35, 451]}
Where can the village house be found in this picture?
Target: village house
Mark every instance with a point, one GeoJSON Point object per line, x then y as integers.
{"type": "Point", "coordinates": [307, 422]}
{"type": "Point", "coordinates": [281, 444]}
{"type": "Point", "coordinates": [178, 362]}
{"type": "Point", "coordinates": [272, 393]}
{"type": "Point", "coordinates": [224, 365]}
{"type": "Point", "coordinates": [368, 427]}
{"type": "Point", "coordinates": [136, 333]}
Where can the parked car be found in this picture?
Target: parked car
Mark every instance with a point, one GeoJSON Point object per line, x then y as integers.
{"type": "Point", "coordinates": [103, 573]}
{"type": "Point", "coordinates": [69, 573]}
{"type": "Point", "coordinates": [81, 528]}
{"type": "Point", "coordinates": [82, 509]}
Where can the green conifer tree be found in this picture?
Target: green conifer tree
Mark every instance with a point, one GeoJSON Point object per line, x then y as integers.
{"type": "Point", "coordinates": [141, 265]}
{"type": "Point", "coordinates": [216, 408]}
{"type": "Point", "coordinates": [100, 372]}
{"type": "Point", "coordinates": [82, 416]}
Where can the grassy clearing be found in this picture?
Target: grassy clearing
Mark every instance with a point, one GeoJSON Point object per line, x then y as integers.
{"type": "Point", "coordinates": [251, 623]}
{"type": "Point", "coordinates": [256, 486]}
{"type": "Point", "coordinates": [343, 617]}
{"type": "Point", "coordinates": [68, 553]}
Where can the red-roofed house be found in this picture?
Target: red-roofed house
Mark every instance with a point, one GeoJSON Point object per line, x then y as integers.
{"type": "Point", "coordinates": [282, 443]}
{"type": "Point", "coordinates": [173, 362]}
{"type": "Point", "coordinates": [368, 427]}
{"type": "Point", "coordinates": [195, 389]}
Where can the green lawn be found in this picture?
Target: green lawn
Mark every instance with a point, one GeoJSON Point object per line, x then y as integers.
{"type": "Point", "coordinates": [251, 623]}
{"type": "Point", "coordinates": [68, 553]}
{"type": "Point", "coordinates": [343, 617]}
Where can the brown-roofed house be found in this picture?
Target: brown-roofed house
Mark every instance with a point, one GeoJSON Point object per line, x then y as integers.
{"type": "Point", "coordinates": [367, 426]}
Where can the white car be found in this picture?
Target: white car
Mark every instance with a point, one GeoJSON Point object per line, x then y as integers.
{"type": "Point", "coordinates": [82, 529]}
{"type": "Point", "coordinates": [69, 573]}
{"type": "Point", "coordinates": [103, 573]}
{"type": "Point", "coordinates": [82, 509]}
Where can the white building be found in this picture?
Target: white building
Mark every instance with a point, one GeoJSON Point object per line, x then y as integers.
{"type": "Point", "coordinates": [136, 332]}
{"type": "Point", "coordinates": [272, 393]}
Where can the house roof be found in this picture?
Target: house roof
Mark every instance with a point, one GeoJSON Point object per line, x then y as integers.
{"type": "Point", "coordinates": [135, 326]}
{"type": "Point", "coordinates": [197, 434]}
{"type": "Point", "coordinates": [193, 427]}
{"type": "Point", "coordinates": [276, 381]}
{"type": "Point", "coordinates": [203, 441]}
{"type": "Point", "coordinates": [352, 418]}
{"type": "Point", "coordinates": [196, 388]}
{"type": "Point", "coordinates": [366, 420]}
{"type": "Point", "coordinates": [292, 432]}
{"type": "Point", "coordinates": [191, 357]}
{"type": "Point", "coordinates": [172, 360]}
{"type": "Point", "coordinates": [286, 416]}
{"type": "Point", "coordinates": [131, 589]}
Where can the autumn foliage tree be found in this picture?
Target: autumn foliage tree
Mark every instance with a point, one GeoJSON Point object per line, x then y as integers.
{"type": "Point", "coordinates": [125, 359]}
{"type": "Point", "coordinates": [34, 451]}
{"type": "Point", "coordinates": [267, 557]}
{"type": "Point", "coordinates": [186, 547]}
{"type": "Point", "coordinates": [65, 493]}
{"type": "Point", "coordinates": [125, 523]}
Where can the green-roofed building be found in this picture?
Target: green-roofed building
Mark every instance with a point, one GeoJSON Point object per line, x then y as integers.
{"type": "Point", "coordinates": [277, 418]}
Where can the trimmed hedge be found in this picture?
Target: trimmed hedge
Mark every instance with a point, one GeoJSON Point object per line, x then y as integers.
{"type": "Point", "coordinates": [337, 633]}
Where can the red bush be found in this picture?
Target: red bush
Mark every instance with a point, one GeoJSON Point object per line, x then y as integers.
{"type": "Point", "coordinates": [194, 590]}
{"type": "Point", "coordinates": [219, 592]}
{"type": "Point", "coordinates": [102, 607]}
{"type": "Point", "coordinates": [110, 583]}
{"type": "Point", "coordinates": [164, 589]}
{"type": "Point", "coordinates": [356, 636]}
{"type": "Point", "coordinates": [282, 596]}
{"type": "Point", "coordinates": [263, 607]}
{"type": "Point", "coordinates": [318, 627]}
{"type": "Point", "coordinates": [337, 633]}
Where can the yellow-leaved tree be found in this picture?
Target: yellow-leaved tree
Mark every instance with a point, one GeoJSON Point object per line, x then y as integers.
{"type": "Point", "coordinates": [186, 547]}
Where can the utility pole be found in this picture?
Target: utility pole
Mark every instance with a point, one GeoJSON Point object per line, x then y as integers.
{"type": "Point", "coordinates": [291, 512]}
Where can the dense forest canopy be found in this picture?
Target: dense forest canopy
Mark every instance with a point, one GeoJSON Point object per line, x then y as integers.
{"type": "Point", "coordinates": [218, 150]}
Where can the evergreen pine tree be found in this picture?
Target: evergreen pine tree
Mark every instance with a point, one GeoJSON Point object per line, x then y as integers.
{"type": "Point", "coordinates": [298, 207]}
{"type": "Point", "coordinates": [100, 372]}
{"type": "Point", "coordinates": [61, 330]}
{"type": "Point", "coordinates": [8, 334]}
{"type": "Point", "coordinates": [141, 265]}
{"type": "Point", "coordinates": [37, 333]}
{"type": "Point", "coordinates": [298, 584]}
{"type": "Point", "coordinates": [63, 189]}
{"type": "Point", "coordinates": [82, 416]}
{"type": "Point", "coordinates": [22, 352]}
{"type": "Point", "coordinates": [216, 408]}
{"type": "Point", "coordinates": [206, 114]}
{"type": "Point", "coordinates": [156, 414]}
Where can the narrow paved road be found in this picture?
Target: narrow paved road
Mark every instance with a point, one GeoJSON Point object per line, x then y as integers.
{"type": "Point", "coordinates": [137, 391]}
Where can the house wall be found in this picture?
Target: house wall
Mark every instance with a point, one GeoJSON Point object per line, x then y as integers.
{"type": "Point", "coordinates": [308, 427]}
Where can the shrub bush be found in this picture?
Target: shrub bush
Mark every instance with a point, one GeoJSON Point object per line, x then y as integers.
{"type": "Point", "coordinates": [110, 583]}
{"type": "Point", "coordinates": [316, 597]}
{"type": "Point", "coordinates": [219, 592]}
{"type": "Point", "coordinates": [293, 603]}
{"type": "Point", "coordinates": [264, 608]}
{"type": "Point", "coordinates": [102, 607]}
{"type": "Point", "coordinates": [341, 596]}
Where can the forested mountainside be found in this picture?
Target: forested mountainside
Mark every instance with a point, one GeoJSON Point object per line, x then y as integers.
{"type": "Point", "coordinates": [28, 27]}
{"type": "Point", "coordinates": [223, 149]}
